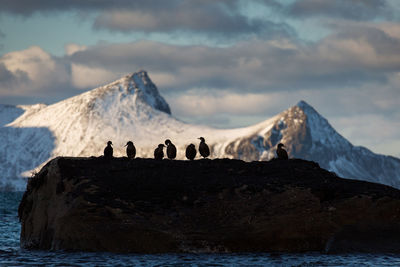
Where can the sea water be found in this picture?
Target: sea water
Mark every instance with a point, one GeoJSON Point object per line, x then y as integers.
{"type": "Point", "coordinates": [12, 255]}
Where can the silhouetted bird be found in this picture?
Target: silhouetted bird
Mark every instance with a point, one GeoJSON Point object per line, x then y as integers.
{"type": "Point", "coordinates": [108, 151]}
{"type": "Point", "coordinates": [282, 154]}
{"type": "Point", "coordinates": [203, 148]}
{"type": "Point", "coordinates": [130, 150]}
{"type": "Point", "coordinates": [191, 152]}
{"type": "Point", "coordinates": [171, 149]}
{"type": "Point", "coordinates": [159, 152]}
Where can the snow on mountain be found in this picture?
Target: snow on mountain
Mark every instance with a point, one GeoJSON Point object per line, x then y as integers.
{"type": "Point", "coordinates": [131, 108]}
{"type": "Point", "coordinates": [18, 151]}
{"type": "Point", "coordinates": [9, 113]}
{"type": "Point", "coordinates": [306, 134]}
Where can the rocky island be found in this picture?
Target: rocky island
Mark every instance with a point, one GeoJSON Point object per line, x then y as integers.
{"type": "Point", "coordinates": [220, 205]}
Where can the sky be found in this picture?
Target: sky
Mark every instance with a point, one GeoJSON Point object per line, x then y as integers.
{"type": "Point", "coordinates": [223, 63]}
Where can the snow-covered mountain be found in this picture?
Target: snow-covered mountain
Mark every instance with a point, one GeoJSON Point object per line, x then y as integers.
{"type": "Point", "coordinates": [131, 108]}
{"type": "Point", "coordinates": [306, 134]}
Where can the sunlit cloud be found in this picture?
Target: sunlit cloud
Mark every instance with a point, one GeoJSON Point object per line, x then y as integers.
{"type": "Point", "coordinates": [73, 48]}
{"type": "Point", "coordinates": [84, 77]}
{"type": "Point", "coordinates": [32, 71]}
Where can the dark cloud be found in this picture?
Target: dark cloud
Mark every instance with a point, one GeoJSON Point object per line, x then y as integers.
{"type": "Point", "coordinates": [352, 56]}
{"type": "Point", "coordinates": [5, 74]}
{"type": "Point", "coordinates": [207, 20]}
{"type": "Point", "coordinates": [27, 7]}
{"type": "Point", "coordinates": [221, 17]}
{"type": "Point", "coordinates": [382, 43]}
{"type": "Point", "coordinates": [10, 79]}
{"type": "Point", "coordinates": [2, 36]}
{"type": "Point", "coordinates": [205, 16]}
{"type": "Point", "coordinates": [347, 9]}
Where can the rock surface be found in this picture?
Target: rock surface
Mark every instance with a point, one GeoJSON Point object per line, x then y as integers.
{"type": "Point", "coordinates": [221, 205]}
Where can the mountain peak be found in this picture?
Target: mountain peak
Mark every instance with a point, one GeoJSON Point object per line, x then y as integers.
{"type": "Point", "coordinates": [310, 112]}
{"type": "Point", "coordinates": [321, 131]}
{"type": "Point", "coordinates": [147, 91]}
{"type": "Point", "coordinates": [139, 87]}
{"type": "Point", "coordinates": [142, 74]}
{"type": "Point", "coordinates": [307, 108]}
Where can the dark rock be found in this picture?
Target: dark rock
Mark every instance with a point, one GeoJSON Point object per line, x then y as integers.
{"type": "Point", "coordinates": [220, 205]}
{"type": "Point", "coordinates": [60, 187]}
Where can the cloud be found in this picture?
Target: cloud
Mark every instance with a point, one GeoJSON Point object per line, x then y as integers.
{"type": "Point", "coordinates": [218, 17]}
{"type": "Point", "coordinates": [2, 36]}
{"type": "Point", "coordinates": [9, 79]}
{"type": "Point", "coordinates": [212, 17]}
{"type": "Point", "coordinates": [375, 131]}
{"type": "Point", "coordinates": [203, 20]}
{"type": "Point", "coordinates": [84, 77]}
{"type": "Point", "coordinates": [367, 100]}
{"type": "Point", "coordinates": [391, 29]}
{"type": "Point", "coordinates": [73, 48]}
{"type": "Point", "coordinates": [200, 103]}
{"type": "Point", "coordinates": [26, 7]}
{"type": "Point", "coordinates": [346, 9]}
{"type": "Point", "coordinates": [351, 56]}
{"type": "Point", "coordinates": [32, 71]}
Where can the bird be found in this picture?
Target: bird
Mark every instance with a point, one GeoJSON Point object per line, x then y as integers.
{"type": "Point", "coordinates": [203, 148]}
{"type": "Point", "coordinates": [282, 154]}
{"type": "Point", "coordinates": [159, 152]}
{"type": "Point", "coordinates": [130, 150]}
{"type": "Point", "coordinates": [191, 152]}
{"type": "Point", "coordinates": [171, 149]}
{"type": "Point", "coordinates": [108, 151]}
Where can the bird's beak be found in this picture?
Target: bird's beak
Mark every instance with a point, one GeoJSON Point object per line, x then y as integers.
{"type": "Point", "coordinates": [126, 145]}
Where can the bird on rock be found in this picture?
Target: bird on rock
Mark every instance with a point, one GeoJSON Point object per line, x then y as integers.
{"type": "Point", "coordinates": [191, 152]}
{"type": "Point", "coordinates": [159, 152]}
{"type": "Point", "coordinates": [130, 150]}
{"type": "Point", "coordinates": [171, 149]}
{"type": "Point", "coordinates": [203, 148]}
{"type": "Point", "coordinates": [282, 154]}
{"type": "Point", "coordinates": [108, 151]}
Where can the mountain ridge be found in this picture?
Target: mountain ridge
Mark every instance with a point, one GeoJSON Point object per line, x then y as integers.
{"type": "Point", "coordinates": [131, 108]}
